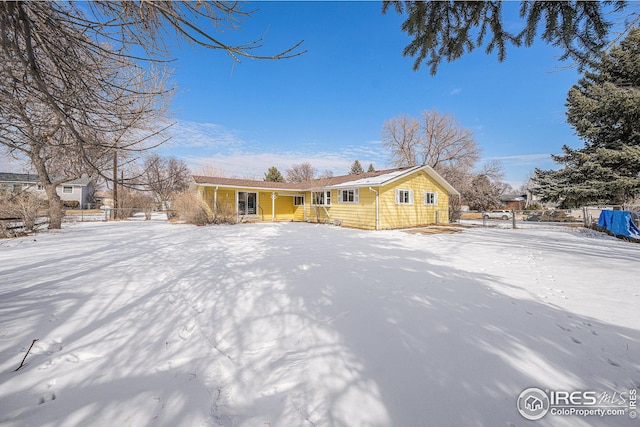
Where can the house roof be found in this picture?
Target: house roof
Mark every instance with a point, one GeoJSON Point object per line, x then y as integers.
{"type": "Point", "coordinates": [367, 179]}
{"type": "Point", "coordinates": [34, 179]}
{"type": "Point", "coordinates": [19, 177]}
{"type": "Point", "coordinates": [513, 197]}
{"type": "Point", "coordinates": [244, 183]}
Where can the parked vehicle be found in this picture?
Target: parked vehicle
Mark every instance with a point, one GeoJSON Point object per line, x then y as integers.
{"type": "Point", "coordinates": [498, 214]}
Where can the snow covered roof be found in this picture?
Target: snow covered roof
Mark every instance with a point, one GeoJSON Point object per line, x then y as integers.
{"type": "Point", "coordinates": [388, 178]}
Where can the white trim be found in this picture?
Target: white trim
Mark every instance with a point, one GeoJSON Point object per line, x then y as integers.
{"type": "Point", "coordinates": [400, 201]}
{"type": "Point", "coordinates": [427, 195]}
{"type": "Point", "coordinates": [324, 198]}
{"type": "Point", "coordinates": [356, 196]}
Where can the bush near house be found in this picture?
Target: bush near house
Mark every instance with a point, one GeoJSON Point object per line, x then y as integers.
{"type": "Point", "coordinates": [70, 204]}
{"type": "Point", "coordinates": [19, 213]}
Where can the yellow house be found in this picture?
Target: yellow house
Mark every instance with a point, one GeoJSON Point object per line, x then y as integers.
{"type": "Point", "coordinates": [393, 198]}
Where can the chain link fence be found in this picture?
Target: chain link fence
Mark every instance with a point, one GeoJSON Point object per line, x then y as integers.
{"type": "Point", "coordinates": [504, 218]}
{"type": "Point", "coordinates": [111, 214]}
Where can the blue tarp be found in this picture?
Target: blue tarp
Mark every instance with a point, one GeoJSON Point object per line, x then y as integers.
{"type": "Point", "coordinates": [619, 223]}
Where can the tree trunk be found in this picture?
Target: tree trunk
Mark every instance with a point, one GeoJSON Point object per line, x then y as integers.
{"type": "Point", "coordinates": [55, 204]}
{"type": "Point", "coordinates": [55, 207]}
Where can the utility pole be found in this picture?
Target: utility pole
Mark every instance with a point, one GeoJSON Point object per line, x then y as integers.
{"type": "Point", "coordinates": [115, 182]}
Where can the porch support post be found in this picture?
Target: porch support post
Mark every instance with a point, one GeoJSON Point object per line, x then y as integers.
{"type": "Point", "coordinates": [274, 196]}
{"type": "Point", "coordinates": [215, 201]}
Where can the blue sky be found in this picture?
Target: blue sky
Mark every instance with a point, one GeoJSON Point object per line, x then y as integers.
{"type": "Point", "coordinates": [327, 107]}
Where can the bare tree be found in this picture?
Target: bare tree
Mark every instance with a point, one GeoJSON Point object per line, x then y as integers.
{"type": "Point", "coordinates": [301, 172]}
{"type": "Point", "coordinates": [484, 194]}
{"type": "Point", "coordinates": [164, 177]}
{"type": "Point", "coordinates": [210, 170]}
{"type": "Point", "coordinates": [401, 135]}
{"type": "Point", "coordinates": [435, 139]}
{"type": "Point", "coordinates": [73, 93]}
{"type": "Point", "coordinates": [445, 142]}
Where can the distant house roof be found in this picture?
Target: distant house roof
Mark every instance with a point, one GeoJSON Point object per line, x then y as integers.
{"type": "Point", "coordinates": [80, 181]}
{"type": "Point", "coordinates": [34, 179]}
{"type": "Point", "coordinates": [19, 177]}
{"type": "Point", "coordinates": [366, 179]}
{"type": "Point", "coordinates": [513, 197]}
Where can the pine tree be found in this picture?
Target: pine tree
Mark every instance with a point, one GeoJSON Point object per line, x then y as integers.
{"type": "Point", "coordinates": [273, 175]}
{"type": "Point", "coordinates": [356, 168]}
{"type": "Point", "coordinates": [446, 30]}
{"type": "Point", "coordinates": [604, 110]}
{"type": "Point", "coordinates": [371, 168]}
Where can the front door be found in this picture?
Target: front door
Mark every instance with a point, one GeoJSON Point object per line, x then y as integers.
{"type": "Point", "coordinates": [247, 203]}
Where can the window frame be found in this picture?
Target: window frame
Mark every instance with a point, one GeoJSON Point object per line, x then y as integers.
{"type": "Point", "coordinates": [351, 193]}
{"type": "Point", "coordinates": [298, 198]}
{"type": "Point", "coordinates": [325, 198]}
{"type": "Point", "coordinates": [401, 200]}
{"type": "Point", "coordinates": [432, 196]}
{"type": "Point", "coordinates": [65, 187]}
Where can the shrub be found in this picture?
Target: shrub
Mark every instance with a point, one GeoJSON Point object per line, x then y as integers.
{"type": "Point", "coordinates": [192, 209]}
{"type": "Point", "coordinates": [132, 202]}
{"type": "Point", "coordinates": [225, 214]}
{"type": "Point", "coordinates": [70, 204]}
{"type": "Point", "coordinates": [25, 208]}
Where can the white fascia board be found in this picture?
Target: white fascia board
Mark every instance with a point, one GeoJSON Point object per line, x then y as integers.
{"type": "Point", "coordinates": [235, 187]}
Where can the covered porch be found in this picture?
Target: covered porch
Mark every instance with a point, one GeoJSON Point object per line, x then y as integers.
{"type": "Point", "coordinates": [255, 204]}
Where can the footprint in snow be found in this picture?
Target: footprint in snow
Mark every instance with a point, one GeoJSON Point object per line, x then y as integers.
{"type": "Point", "coordinates": [612, 362]}
{"type": "Point", "coordinates": [199, 307]}
{"type": "Point", "coordinates": [43, 399]}
{"type": "Point", "coordinates": [187, 330]}
{"type": "Point", "coordinates": [563, 328]}
{"type": "Point", "coordinates": [575, 340]}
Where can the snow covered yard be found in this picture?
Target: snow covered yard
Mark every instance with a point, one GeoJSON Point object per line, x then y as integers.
{"type": "Point", "coordinates": [287, 324]}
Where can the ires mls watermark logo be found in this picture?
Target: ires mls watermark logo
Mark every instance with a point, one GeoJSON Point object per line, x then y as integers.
{"type": "Point", "coordinates": [534, 403]}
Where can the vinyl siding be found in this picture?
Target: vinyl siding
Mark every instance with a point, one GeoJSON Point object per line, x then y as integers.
{"type": "Point", "coordinates": [358, 215]}
{"type": "Point", "coordinates": [393, 215]}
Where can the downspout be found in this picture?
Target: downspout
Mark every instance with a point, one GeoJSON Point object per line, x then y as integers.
{"type": "Point", "coordinates": [377, 209]}
{"type": "Point", "coordinates": [273, 206]}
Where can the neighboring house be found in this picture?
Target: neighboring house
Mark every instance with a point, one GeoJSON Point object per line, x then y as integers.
{"type": "Point", "coordinates": [103, 198]}
{"type": "Point", "coordinates": [80, 190]}
{"type": "Point", "coordinates": [515, 202]}
{"type": "Point", "coordinates": [395, 198]}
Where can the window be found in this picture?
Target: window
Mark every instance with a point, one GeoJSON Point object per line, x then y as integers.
{"type": "Point", "coordinates": [67, 189]}
{"type": "Point", "coordinates": [430, 198]}
{"type": "Point", "coordinates": [351, 195]}
{"type": "Point", "coordinates": [404, 197]}
{"type": "Point", "coordinates": [298, 201]}
{"type": "Point", "coordinates": [321, 198]}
